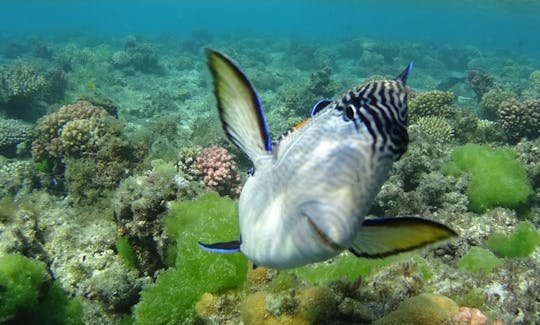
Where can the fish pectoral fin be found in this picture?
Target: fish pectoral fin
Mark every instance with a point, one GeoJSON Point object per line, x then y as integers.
{"type": "Point", "coordinates": [222, 248]}
{"type": "Point", "coordinates": [382, 237]}
{"type": "Point", "coordinates": [240, 109]}
{"type": "Point", "coordinates": [319, 106]}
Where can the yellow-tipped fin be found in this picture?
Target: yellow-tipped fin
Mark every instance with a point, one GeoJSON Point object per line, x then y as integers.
{"type": "Point", "coordinates": [387, 236]}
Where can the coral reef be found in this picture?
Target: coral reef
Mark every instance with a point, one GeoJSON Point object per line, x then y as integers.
{"type": "Point", "coordinates": [84, 144]}
{"type": "Point", "coordinates": [432, 103]}
{"type": "Point", "coordinates": [136, 56]}
{"type": "Point", "coordinates": [480, 82]}
{"type": "Point", "coordinates": [15, 137]}
{"type": "Point", "coordinates": [74, 130]}
{"type": "Point", "coordinates": [219, 171]}
{"type": "Point", "coordinates": [139, 203]}
{"type": "Point", "coordinates": [520, 119]}
{"type": "Point", "coordinates": [436, 128]}
{"type": "Point", "coordinates": [20, 82]}
{"type": "Point", "coordinates": [491, 100]}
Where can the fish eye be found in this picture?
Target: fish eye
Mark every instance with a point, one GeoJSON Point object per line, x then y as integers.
{"type": "Point", "coordinates": [350, 112]}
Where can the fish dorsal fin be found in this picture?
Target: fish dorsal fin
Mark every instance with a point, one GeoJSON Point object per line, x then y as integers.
{"type": "Point", "coordinates": [405, 73]}
{"type": "Point", "coordinates": [319, 106]}
{"type": "Point", "coordinates": [239, 107]}
{"type": "Point", "coordinates": [382, 237]}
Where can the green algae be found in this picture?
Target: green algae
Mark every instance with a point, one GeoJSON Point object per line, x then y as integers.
{"type": "Point", "coordinates": [479, 260]}
{"type": "Point", "coordinates": [172, 298]}
{"type": "Point", "coordinates": [28, 297]}
{"type": "Point", "coordinates": [522, 242]}
{"type": "Point", "coordinates": [498, 179]}
{"type": "Point", "coordinates": [126, 251]}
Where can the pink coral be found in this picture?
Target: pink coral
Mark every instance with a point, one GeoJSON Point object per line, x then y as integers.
{"type": "Point", "coordinates": [470, 316]}
{"type": "Point", "coordinates": [219, 171]}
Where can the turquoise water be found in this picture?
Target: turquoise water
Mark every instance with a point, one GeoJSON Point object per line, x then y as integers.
{"type": "Point", "coordinates": [495, 25]}
{"type": "Point", "coordinates": [114, 163]}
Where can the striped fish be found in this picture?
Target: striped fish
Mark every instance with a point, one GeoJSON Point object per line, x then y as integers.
{"type": "Point", "coordinates": [309, 192]}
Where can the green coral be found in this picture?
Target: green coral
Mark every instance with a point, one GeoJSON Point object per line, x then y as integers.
{"type": "Point", "coordinates": [522, 242]}
{"type": "Point", "coordinates": [432, 103]}
{"type": "Point", "coordinates": [498, 179]}
{"type": "Point", "coordinates": [173, 297]}
{"type": "Point", "coordinates": [479, 260]}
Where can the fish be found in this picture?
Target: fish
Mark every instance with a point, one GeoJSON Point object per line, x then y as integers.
{"type": "Point", "coordinates": [308, 193]}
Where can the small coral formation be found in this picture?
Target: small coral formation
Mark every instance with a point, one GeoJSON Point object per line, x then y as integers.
{"type": "Point", "coordinates": [436, 128]}
{"type": "Point", "coordinates": [498, 179]}
{"type": "Point", "coordinates": [20, 82]}
{"type": "Point", "coordinates": [491, 100]}
{"type": "Point", "coordinates": [424, 309]}
{"type": "Point", "coordinates": [470, 316]}
{"type": "Point", "coordinates": [18, 178]}
{"type": "Point", "coordinates": [186, 163]}
{"type": "Point", "coordinates": [520, 119]}
{"type": "Point", "coordinates": [75, 130]}
{"type": "Point", "coordinates": [219, 171]}
{"type": "Point", "coordinates": [87, 142]}
{"type": "Point", "coordinates": [321, 85]}
{"type": "Point", "coordinates": [138, 204]}
{"type": "Point", "coordinates": [136, 56]}
{"type": "Point", "coordinates": [15, 136]}
{"type": "Point", "coordinates": [432, 103]}
{"type": "Point", "coordinates": [480, 82]}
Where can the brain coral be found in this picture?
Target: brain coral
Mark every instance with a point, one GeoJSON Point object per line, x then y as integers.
{"type": "Point", "coordinates": [432, 103]}
{"type": "Point", "coordinates": [520, 119]}
{"type": "Point", "coordinates": [74, 130]}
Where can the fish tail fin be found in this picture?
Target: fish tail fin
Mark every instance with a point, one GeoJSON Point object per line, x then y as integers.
{"type": "Point", "coordinates": [382, 237]}
{"type": "Point", "coordinates": [240, 109]}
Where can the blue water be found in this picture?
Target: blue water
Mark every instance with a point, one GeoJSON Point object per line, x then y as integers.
{"type": "Point", "coordinates": [490, 25]}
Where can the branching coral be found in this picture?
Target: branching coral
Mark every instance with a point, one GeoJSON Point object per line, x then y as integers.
{"type": "Point", "coordinates": [436, 129]}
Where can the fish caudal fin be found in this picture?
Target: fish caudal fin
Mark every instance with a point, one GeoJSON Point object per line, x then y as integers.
{"type": "Point", "coordinates": [239, 107]}
{"type": "Point", "coordinates": [222, 248]}
{"type": "Point", "coordinates": [387, 236]}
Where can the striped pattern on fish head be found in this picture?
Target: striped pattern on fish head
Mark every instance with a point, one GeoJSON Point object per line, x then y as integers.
{"type": "Point", "coordinates": [382, 107]}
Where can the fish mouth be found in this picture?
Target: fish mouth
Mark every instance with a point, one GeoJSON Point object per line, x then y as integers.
{"type": "Point", "coordinates": [323, 237]}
